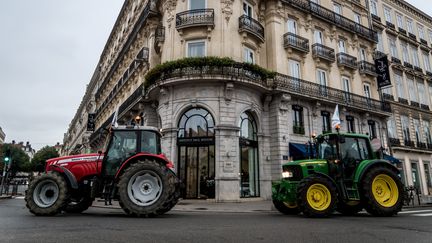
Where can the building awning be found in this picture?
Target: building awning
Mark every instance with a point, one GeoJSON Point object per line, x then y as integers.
{"type": "Point", "coordinates": [298, 151]}
{"type": "Point", "coordinates": [392, 159]}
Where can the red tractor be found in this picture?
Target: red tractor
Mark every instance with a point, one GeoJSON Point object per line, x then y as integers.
{"type": "Point", "coordinates": [131, 170]}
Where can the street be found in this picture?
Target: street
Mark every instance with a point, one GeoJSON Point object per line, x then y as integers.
{"type": "Point", "coordinates": [97, 224]}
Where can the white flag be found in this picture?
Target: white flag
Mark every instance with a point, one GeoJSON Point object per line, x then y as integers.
{"type": "Point", "coordinates": [114, 120]}
{"type": "Point", "coordinates": [335, 119]}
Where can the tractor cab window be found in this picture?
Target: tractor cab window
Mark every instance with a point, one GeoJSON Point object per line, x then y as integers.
{"type": "Point", "coordinates": [354, 149]}
{"type": "Point", "coordinates": [123, 145]}
{"type": "Point", "coordinates": [150, 142]}
{"type": "Point", "coordinates": [327, 147]}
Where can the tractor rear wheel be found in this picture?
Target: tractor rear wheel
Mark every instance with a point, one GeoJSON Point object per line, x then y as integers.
{"type": "Point", "coordinates": [79, 206]}
{"type": "Point", "coordinates": [146, 189]}
{"type": "Point", "coordinates": [382, 192]}
{"type": "Point", "coordinates": [316, 196]}
{"type": "Point", "coordinates": [286, 207]}
{"type": "Point", "coordinates": [47, 194]}
{"type": "Point", "coordinates": [349, 208]}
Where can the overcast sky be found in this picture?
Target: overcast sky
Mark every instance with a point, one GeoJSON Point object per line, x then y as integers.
{"type": "Point", "coordinates": [48, 51]}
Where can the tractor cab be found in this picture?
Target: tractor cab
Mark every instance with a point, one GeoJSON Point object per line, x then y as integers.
{"type": "Point", "coordinates": [127, 141]}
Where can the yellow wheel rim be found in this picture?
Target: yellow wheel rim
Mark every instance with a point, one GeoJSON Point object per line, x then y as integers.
{"type": "Point", "coordinates": [318, 197]}
{"type": "Point", "coordinates": [290, 204]}
{"type": "Point", "coordinates": [385, 190]}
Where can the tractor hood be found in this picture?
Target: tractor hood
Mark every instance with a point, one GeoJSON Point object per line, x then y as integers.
{"type": "Point", "coordinates": [74, 159]}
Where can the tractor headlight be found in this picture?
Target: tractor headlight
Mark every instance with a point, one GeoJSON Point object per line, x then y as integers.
{"type": "Point", "coordinates": [287, 174]}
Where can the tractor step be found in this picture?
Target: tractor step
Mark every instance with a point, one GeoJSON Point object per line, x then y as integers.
{"type": "Point", "coordinates": [352, 194]}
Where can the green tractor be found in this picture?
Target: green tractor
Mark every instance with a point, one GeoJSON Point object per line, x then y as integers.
{"type": "Point", "coordinates": [345, 174]}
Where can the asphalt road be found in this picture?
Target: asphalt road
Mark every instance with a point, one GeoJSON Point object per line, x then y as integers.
{"type": "Point", "coordinates": [111, 225]}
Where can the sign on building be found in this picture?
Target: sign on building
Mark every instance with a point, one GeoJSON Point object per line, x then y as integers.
{"type": "Point", "coordinates": [91, 122]}
{"type": "Point", "coordinates": [382, 69]}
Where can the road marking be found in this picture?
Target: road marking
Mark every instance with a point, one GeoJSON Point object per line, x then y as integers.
{"type": "Point", "coordinates": [416, 211]}
{"type": "Point", "coordinates": [20, 197]}
{"type": "Point", "coordinates": [423, 214]}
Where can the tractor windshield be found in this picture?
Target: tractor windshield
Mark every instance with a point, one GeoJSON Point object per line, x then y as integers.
{"type": "Point", "coordinates": [327, 147]}
{"type": "Point", "coordinates": [123, 145]}
{"type": "Point", "coordinates": [150, 142]}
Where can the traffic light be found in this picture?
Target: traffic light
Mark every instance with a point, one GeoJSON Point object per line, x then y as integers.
{"type": "Point", "coordinates": [7, 156]}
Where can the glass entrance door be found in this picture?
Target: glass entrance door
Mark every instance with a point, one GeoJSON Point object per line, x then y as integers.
{"type": "Point", "coordinates": [197, 165]}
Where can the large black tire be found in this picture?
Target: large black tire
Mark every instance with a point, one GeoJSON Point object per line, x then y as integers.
{"type": "Point", "coordinates": [175, 196]}
{"type": "Point", "coordinates": [286, 208]}
{"type": "Point", "coordinates": [382, 192]}
{"type": "Point", "coordinates": [316, 196]}
{"type": "Point", "coordinates": [146, 189]}
{"type": "Point", "coordinates": [47, 194]}
{"type": "Point", "coordinates": [349, 208]}
{"type": "Point", "coordinates": [79, 206]}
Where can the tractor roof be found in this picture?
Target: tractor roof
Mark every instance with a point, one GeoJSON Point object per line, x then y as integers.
{"type": "Point", "coordinates": [131, 127]}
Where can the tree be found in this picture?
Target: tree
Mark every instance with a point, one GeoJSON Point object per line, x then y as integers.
{"type": "Point", "coordinates": [38, 161]}
{"type": "Point", "coordinates": [19, 159]}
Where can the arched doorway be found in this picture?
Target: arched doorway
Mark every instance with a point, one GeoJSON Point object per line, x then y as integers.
{"type": "Point", "coordinates": [249, 166]}
{"type": "Point", "coordinates": [195, 140]}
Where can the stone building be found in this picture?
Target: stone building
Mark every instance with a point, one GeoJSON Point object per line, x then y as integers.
{"type": "Point", "coordinates": [229, 128]}
{"type": "Point", "coordinates": [405, 36]}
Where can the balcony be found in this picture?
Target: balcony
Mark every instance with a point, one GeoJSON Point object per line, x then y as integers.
{"type": "Point", "coordinates": [333, 18]}
{"type": "Point", "coordinates": [376, 17]}
{"type": "Point", "coordinates": [409, 143]}
{"type": "Point", "coordinates": [346, 60]}
{"type": "Point", "coordinates": [388, 97]}
{"type": "Point", "coordinates": [312, 90]}
{"type": "Point", "coordinates": [402, 31]}
{"type": "Point", "coordinates": [429, 146]}
{"type": "Point", "coordinates": [390, 25]}
{"type": "Point", "coordinates": [296, 42]}
{"type": "Point", "coordinates": [429, 73]}
{"type": "Point", "coordinates": [408, 65]}
{"type": "Point", "coordinates": [323, 52]}
{"type": "Point", "coordinates": [418, 69]}
{"type": "Point", "coordinates": [367, 68]}
{"type": "Point", "coordinates": [396, 60]}
{"type": "Point", "coordinates": [299, 129]}
{"type": "Point", "coordinates": [159, 37]}
{"type": "Point", "coordinates": [412, 36]}
{"type": "Point", "coordinates": [195, 17]}
{"type": "Point", "coordinates": [424, 107]}
{"type": "Point", "coordinates": [423, 41]}
{"type": "Point", "coordinates": [414, 104]}
{"type": "Point", "coordinates": [421, 145]}
{"type": "Point", "coordinates": [252, 26]}
{"type": "Point", "coordinates": [394, 142]}
{"type": "Point", "coordinates": [403, 101]}
{"type": "Point", "coordinates": [379, 54]}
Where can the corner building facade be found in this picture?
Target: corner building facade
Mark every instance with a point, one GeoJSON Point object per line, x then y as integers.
{"type": "Point", "coordinates": [229, 129]}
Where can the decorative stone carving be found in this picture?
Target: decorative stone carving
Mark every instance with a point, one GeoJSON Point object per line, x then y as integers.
{"type": "Point", "coordinates": [227, 8]}
{"type": "Point", "coordinates": [229, 90]}
{"type": "Point", "coordinates": [284, 103]}
{"type": "Point", "coordinates": [169, 9]}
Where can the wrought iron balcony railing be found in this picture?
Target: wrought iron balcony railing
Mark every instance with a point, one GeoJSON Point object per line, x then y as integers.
{"type": "Point", "coordinates": [346, 60]}
{"type": "Point", "coordinates": [388, 97]}
{"type": "Point", "coordinates": [299, 129]}
{"type": "Point", "coordinates": [421, 145]}
{"type": "Point", "coordinates": [402, 31]}
{"type": "Point", "coordinates": [396, 60]}
{"type": "Point", "coordinates": [252, 26]}
{"type": "Point", "coordinates": [408, 65]}
{"type": "Point", "coordinates": [390, 25]}
{"type": "Point", "coordinates": [195, 17]}
{"type": "Point", "coordinates": [367, 68]}
{"type": "Point", "coordinates": [429, 73]}
{"type": "Point", "coordinates": [429, 146]}
{"type": "Point", "coordinates": [418, 69]}
{"type": "Point", "coordinates": [333, 18]}
{"type": "Point", "coordinates": [415, 104]}
{"type": "Point", "coordinates": [403, 101]}
{"type": "Point", "coordinates": [296, 42]}
{"type": "Point", "coordinates": [379, 54]}
{"type": "Point", "coordinates": [409, 143]}
{"type": "Point", "coordinates": [313, 90]}
{"type": "Point", "coordinates": [423, 41]}
{"type": "Point", "coordinates": [394, 141]}
{"type": "Point", "coordinates": [412, 36]}
{"type": "Point", "coordinates": [376, 17]}
{"type": "Point", "coordinates": [323, 52]}
{"type": "Point", "coordinates": [424, 107]}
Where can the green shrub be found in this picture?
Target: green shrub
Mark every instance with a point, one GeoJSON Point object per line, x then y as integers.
{"type": "Point", "coordinates": [155, 74]}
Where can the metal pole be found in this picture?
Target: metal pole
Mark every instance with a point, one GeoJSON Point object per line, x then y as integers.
{"type": "Point", "coordinates": [2, 181]}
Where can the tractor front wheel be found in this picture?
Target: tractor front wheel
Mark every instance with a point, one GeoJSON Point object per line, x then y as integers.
{"type": "Point", "coordinates": [288, 208]}
{"type": "Point", "coordinates": [382, 192]}
{"type": "Point", "coordinates": [316, 196]}
{"type": "Point", "coordinates": [146, 189]}
{"type": "Point", "coordinates": [47, 194]}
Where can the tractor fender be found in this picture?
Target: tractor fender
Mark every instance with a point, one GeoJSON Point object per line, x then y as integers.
{"type": "Point", "coordinates": [158, 157]}
{"type": "Point", "coordinates": [69, 176]}
{"type": "Point", "coordinates": [326, 176]}
{"type": "Point", "coordinates": [366, 166]}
